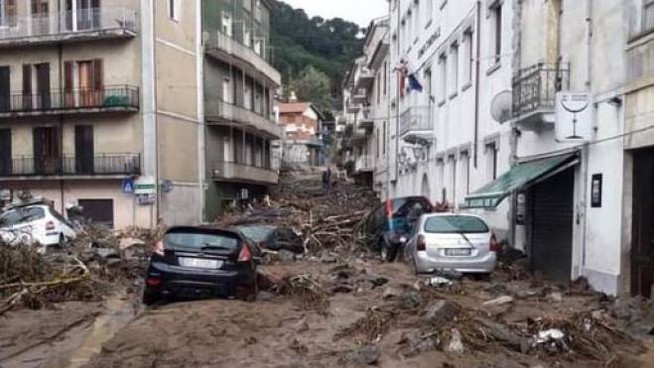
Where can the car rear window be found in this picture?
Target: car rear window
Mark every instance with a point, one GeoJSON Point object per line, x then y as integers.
{"type": "Point", "coordinates": [199, 240]}
{"type": "Point", "coordinates": [21, 216]}
{"type": "Point", "coordinates": [410, 207]}
{"type": "Point", "coordinates": [455, 225]}
{"type": "Point", "coordinates": [257, 233]}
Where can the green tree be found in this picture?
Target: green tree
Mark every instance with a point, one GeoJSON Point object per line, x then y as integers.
{"type": "Point", "coordinates": [313, 85]}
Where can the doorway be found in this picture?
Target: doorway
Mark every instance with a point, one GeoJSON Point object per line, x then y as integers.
{"type": "Point", "coordinates": [642, 238]}
{"type": "Point", "coordinates": [5, 89]}
{"type": "Point", "coordinates": [40, 17]}
{"type": "Point", "coordinates": [46, 151]}
{"type": "Point", "coordinates": [84, 150]}
{"type": "Point", "coordinates": [551, 224]}
{"type": "Point", "coordinates": [5, 152]}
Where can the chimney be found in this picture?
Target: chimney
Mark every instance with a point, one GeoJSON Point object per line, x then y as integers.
{"type": "Point", "coordinates": [292, 97]}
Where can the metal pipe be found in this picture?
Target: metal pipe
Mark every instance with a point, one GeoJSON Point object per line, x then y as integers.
{"type": "Point", "coordinates": [477, 85]}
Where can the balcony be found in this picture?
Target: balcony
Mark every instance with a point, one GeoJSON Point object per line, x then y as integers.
{"type": "Point", "coordinates": [226, 114]}
{"type": "Point", "coordinates": [367, 118]}
{"type": "Point", "coordinates": [84, 25]}
{"type": "Point", "coordinates": [229, 50]}
{"type": "Point", "coordinates": [416, 125]}
{"type": "Point", "coordinates": [80, 101]}
{"type": "Point", "coordinates": [534, 94]}
{"type": "Point", "coordinates": [104, 165]}
{"type": "Point", "coordinates": [365, 78]}
{"type": "Point", "coordinates": [364, 164]}
{"type": "Point", "coordinates": [235, 172]}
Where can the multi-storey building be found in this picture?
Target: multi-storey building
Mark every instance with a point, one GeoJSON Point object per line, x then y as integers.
{"type": "Point", "coordinates": [366, 98]}
{"type": "Point", "coordinates": [240, 85]}
{"type": "Point", "coordinates": [443, 140]}
{"type": "Point", "coordinates": [302, 123]}
{"type": "Point", "coordinates": [99, 97]}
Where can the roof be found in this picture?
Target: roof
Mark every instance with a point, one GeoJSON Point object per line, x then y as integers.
{"type": "Point", "coordinates": [299, 107]}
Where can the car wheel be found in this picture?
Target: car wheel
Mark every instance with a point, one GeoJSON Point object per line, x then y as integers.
{"type": "Point", "coordinates": [149, 298]}
{"type": "Point", "coordinates": [388, 252]}
{"type": "Point", "coordinates": [254, 291]}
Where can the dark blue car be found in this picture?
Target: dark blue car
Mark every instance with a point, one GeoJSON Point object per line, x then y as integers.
{"type": "Point", "coordinates": [198, 262]}
{"type": "Point", "coordinates": [390, 221]}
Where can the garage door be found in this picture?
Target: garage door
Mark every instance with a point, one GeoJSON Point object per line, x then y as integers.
{"type": "Point", "coordinates": [552, 205]}
{"type": "Point", "coordinates": [98, 211]}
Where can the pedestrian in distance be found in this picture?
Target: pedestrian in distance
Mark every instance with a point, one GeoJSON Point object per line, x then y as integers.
{"type": "Point", "coordinates": [326, 179]}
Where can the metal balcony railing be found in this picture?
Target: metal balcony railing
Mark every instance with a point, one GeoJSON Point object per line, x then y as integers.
{"type": "Point", "coordinates": [216, 109]}
{"type": "Point", "coordinates": [106, 98]}
{"type": "Point", "coordinates": [535, 87]}
{"type": "Point", "coordinates": [259, 60]}
{"type": "Point", "coordinates": [416, 119]}
{"type": "Point", "coordinates": [67, 23]}
{"type": "Point", "coordinates": [72, 165]}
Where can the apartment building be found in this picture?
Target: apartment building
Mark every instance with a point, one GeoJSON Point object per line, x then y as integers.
{"type": "Point", "coordinates": [118, 105]}
{"type": "Point", "coordinates": [303, 125]}
{"type": "Point", "coordinates": [240, 85]}
{"type": "Point", "coordinates": [366, 108]}
{"type": "Point", "coordinates": [444, 141]}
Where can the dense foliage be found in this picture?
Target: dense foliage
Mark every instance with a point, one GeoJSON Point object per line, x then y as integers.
{"type": "Point", "coordinates": [300, 42]}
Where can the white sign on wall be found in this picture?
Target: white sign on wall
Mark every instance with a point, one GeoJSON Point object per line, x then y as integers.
{"type": "Point", "coordinates": [574, 117]}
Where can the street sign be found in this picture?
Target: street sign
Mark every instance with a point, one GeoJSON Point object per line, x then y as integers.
{"type": "Point", "coordinates": [146, 199]}
{"type": "Point", "coordinates": [166, 186]}
{"type": "Point", "coordinates": [146, 185]}
{"type": "Point", "coordinates": [128, 186]}
{"type": "Point", "coordinates": [574, 117]}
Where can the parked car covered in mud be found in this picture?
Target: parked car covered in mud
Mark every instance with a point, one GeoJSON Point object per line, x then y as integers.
{"type": "Point", "coordinates": [449, 241]}
{"type": "Point", "coordinates": [273, 237]}
{"type": "Point", "coordinates": [202, 262]}
{"type": "Point", "coordinates": [387, 225]}
{"type": "Point", "coordinates": [35, 223]}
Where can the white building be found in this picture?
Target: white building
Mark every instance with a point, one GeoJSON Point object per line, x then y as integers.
{"type": "Point", "coordinates": [366, 107]}
{"type": "Point", "coordinates": [445, 142]}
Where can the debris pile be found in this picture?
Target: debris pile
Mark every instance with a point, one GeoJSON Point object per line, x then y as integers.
{"type": "Point", "coordinates": [306, 288]}
{"type": "Point", "coordinates": [86, 270]}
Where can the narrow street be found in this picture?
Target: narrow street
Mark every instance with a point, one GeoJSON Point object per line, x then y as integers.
{"type": "Point", "coordinates": [338, 305]}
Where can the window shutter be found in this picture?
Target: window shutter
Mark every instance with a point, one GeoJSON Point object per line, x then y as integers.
{"type": "Point", "coordinates": [27, 79]}
{"type": "Point", "coordinates": [98, 73]}
{"type": "Point", "coordinates": [68, 76]}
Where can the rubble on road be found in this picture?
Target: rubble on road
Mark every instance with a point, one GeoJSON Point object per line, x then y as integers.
{"type": "Point", "coordinates": [87, 270]}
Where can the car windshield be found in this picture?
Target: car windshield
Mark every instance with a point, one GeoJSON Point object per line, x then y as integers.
{"type": "Point", "coordinates": [257, 233]}
{"type": "Point", "coordinates": [410, 207]}
{"type": "Point", "coordinates": [21, 216]}
{"type": "Point", "coordinates": [199, 240]}
{"type": "Point", "coordinates": [455, 225]}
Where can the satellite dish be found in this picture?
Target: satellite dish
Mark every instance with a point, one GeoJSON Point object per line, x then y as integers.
{"type": "Point", "coordinates": [501, 106]}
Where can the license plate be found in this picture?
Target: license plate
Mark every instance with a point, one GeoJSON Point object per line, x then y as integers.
{"type": "Point", "coordinates": [458, 252]}
{"type": "Point", "coordinates": [200, 263]}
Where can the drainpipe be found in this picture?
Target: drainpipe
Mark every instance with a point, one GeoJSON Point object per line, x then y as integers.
{"type": "Point", "coordinates": [477, 84]}
{"type": "Point", "coordinates": [581, 219]}
{"type": "Point", "coordinates": [397, 101]}
{"type": "Point", "coordinates": [202, 174]}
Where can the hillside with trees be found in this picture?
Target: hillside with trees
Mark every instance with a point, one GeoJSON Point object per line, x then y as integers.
{"type": "Point", "coordinates": [313, 54]}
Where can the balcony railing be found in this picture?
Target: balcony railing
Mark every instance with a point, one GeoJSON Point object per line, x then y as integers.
{"type": "Point", "coordinates": [535, 88]}
{"type": "Point", "coordinates": [102, 22]}
{"type": "Point", "coordinates": [232, 171]}
{"type": "Point", "coordinates": [221, 42]}
{"type": "Point", "coordinates": [416, 119]}
{"type": "Point", "coordinates": [220, 110]}
{"type": "Point", "coordinates": [72, 165]}
{"type": "Point", "coordinates": [106, 99]}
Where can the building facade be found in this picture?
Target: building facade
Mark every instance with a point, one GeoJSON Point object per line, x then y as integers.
{"type": "Point", "coordinates": [302, 123]}
{"type": "Point", "coordinates": [444, 142]}
{"type": "Point", "coordinates": [366, 110]}
{"type": "Point", "coordinates": [101, 99]}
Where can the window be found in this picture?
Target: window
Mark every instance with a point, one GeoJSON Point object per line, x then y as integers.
{"type": "Point", "coordinates": [99, 211]}
{"type": "Point", "coordinates": [442, 76]}
{"type": "Point", "coordinates": [491, 161]}
{"type": "Point", "coordinates": [455, 224]}
{"type": "Point", "coordinates": [257, 9]}
{"type": "Point", "coordinates": [8, 13]}
{"type": "Point", "coordinates": [173, 9]}
{"type": "Point", "coordinates": [227, 24]}
{"type": "Point", "coordinates": [247, 36]}
{"type": "Point", "coordinates": [416, 22]}
{"type": "Point", "coordinates": [378, 83]}
{"type": "Point", "coordinates": [384, 140]}
{"type": "Point", "coordinates": [463, 181]}
{"type": "Point", "coordinates": [648, 14]}
{"type": "Point", "coordinates": [496, 24]}
{"type": "Point", "coordinates": [430, 91]}
{"type": "Point", "coordinates": [454, 68]}
{"type": "Point", "coordinates": [385, 77]}
{"type": "Point", "coordinates": [467, 57]}
{"type": "Point", "coordinates": [378, 148]}
{"type": "Point", "coordinates": [227, 90]}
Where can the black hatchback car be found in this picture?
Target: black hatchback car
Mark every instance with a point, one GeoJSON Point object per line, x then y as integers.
{"type": "Point", "coordinates": [198, 262]}
{"type": "Point", "coordinates": [390, 221]}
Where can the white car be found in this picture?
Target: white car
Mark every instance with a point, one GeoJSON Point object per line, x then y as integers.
{"type": "Point", "coordinates": [450, 241]}
{"type": "Point", "coordinates": [35, 224]}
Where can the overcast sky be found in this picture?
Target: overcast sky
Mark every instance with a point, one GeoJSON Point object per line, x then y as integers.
{"type": "Point", "coordinates": [358, 11]}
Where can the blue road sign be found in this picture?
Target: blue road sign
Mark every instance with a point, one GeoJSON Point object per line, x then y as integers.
{"type": "Point", "coordinates": [128, 186]}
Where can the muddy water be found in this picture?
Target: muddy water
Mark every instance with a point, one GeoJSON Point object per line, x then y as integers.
{"type": "Point", "coordinates": [80, 341]}
{"type": "Point", "coordinates": [119, 312]}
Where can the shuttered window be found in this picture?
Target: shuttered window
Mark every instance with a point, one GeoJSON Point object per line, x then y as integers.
{"type": "Point", "coordinates": [8, 13]}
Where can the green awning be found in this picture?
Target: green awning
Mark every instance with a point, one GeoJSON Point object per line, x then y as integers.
{"type": "Point", "coordinates": [519, 177]}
